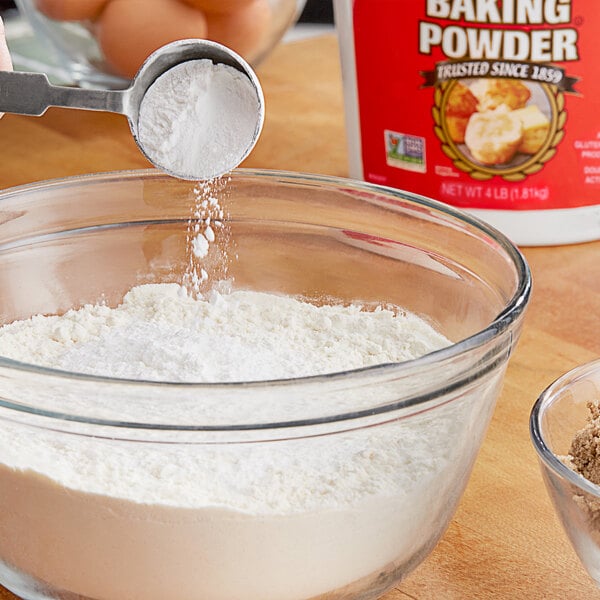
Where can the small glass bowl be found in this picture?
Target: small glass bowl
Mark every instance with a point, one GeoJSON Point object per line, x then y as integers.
{"type": "Point", "coordinates": [325, 487]}
{"type": "Point", "coordinates": [558, 414]}
{"type": "Point", "coordinates": [79, 48]}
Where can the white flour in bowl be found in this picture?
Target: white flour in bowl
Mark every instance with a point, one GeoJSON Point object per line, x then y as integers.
{"type": "Point", "coordinates": [161, 333]}
{"type": "Point", "coordinates": [286, 520]}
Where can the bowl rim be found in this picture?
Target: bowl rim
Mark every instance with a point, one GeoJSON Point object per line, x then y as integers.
{"type": "Point", "coordinates": [548, 396]}
{"type": "Point", "coordinates": [512, 311]}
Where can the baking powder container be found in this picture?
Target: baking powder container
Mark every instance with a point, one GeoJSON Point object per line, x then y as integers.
{"type": "Point", "coordinates": [493, 107]}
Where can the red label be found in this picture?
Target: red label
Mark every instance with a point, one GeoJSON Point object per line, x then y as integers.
{"type": "Point", "coordinates": [481, 104]}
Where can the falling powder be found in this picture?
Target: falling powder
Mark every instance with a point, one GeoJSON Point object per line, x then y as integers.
{"type": "Point", "coordinates": [206, 217]}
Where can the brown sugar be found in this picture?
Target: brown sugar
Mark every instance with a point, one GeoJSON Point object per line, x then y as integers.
{"type": "Point", "coordinates": [584, 458]}
{"type": "Point", "coordinates": [585, 447]}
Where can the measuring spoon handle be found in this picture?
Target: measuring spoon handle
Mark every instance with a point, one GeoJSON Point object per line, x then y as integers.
{"type": "Point", "coordinates": [32, 94]}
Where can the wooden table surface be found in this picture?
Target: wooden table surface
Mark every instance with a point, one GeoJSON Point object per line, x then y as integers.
{"type": "Point", "coordinates": [504, 541]}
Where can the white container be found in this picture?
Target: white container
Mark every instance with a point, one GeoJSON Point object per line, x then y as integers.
{"type": "Point", "coordinates": [492, 109]}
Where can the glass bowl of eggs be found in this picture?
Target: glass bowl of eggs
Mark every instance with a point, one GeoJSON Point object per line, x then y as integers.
{"type": "Point", "coordinates": [102, 43]}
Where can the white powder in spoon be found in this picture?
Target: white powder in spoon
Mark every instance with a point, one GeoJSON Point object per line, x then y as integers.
{"type": "Point", "coordinates": [285, 520]}
{"type": "Point", "coordinates": [199, 119]}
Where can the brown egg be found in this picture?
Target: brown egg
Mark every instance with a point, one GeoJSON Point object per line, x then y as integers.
{"type": "Point", "coordinates": [71, 10]}
{"type": "Point", "coordinates": [130, 30]}
{"type": "Point", "coordinates": [243, 30]}
{"type": "Point", "coordinates": [218, 6]}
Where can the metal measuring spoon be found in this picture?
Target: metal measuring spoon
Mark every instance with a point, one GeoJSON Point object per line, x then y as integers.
{"type": "Point", "coordinates": [32, 94]}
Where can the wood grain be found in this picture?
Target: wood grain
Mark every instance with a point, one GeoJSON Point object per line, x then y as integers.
{"type": "Point", "coordinates": [505, 541]}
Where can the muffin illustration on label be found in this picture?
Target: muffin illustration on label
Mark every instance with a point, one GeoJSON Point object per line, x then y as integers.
{"type": "Point", "coordinates": [499, 126]}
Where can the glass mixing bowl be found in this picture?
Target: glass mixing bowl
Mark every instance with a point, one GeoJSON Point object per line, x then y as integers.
{"type": "Point", "coordinates": [332, 486]}
{"type": "Point", "coordinates": [559, 413]}
{"type": "Point", "coordinates": [99, 45]}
